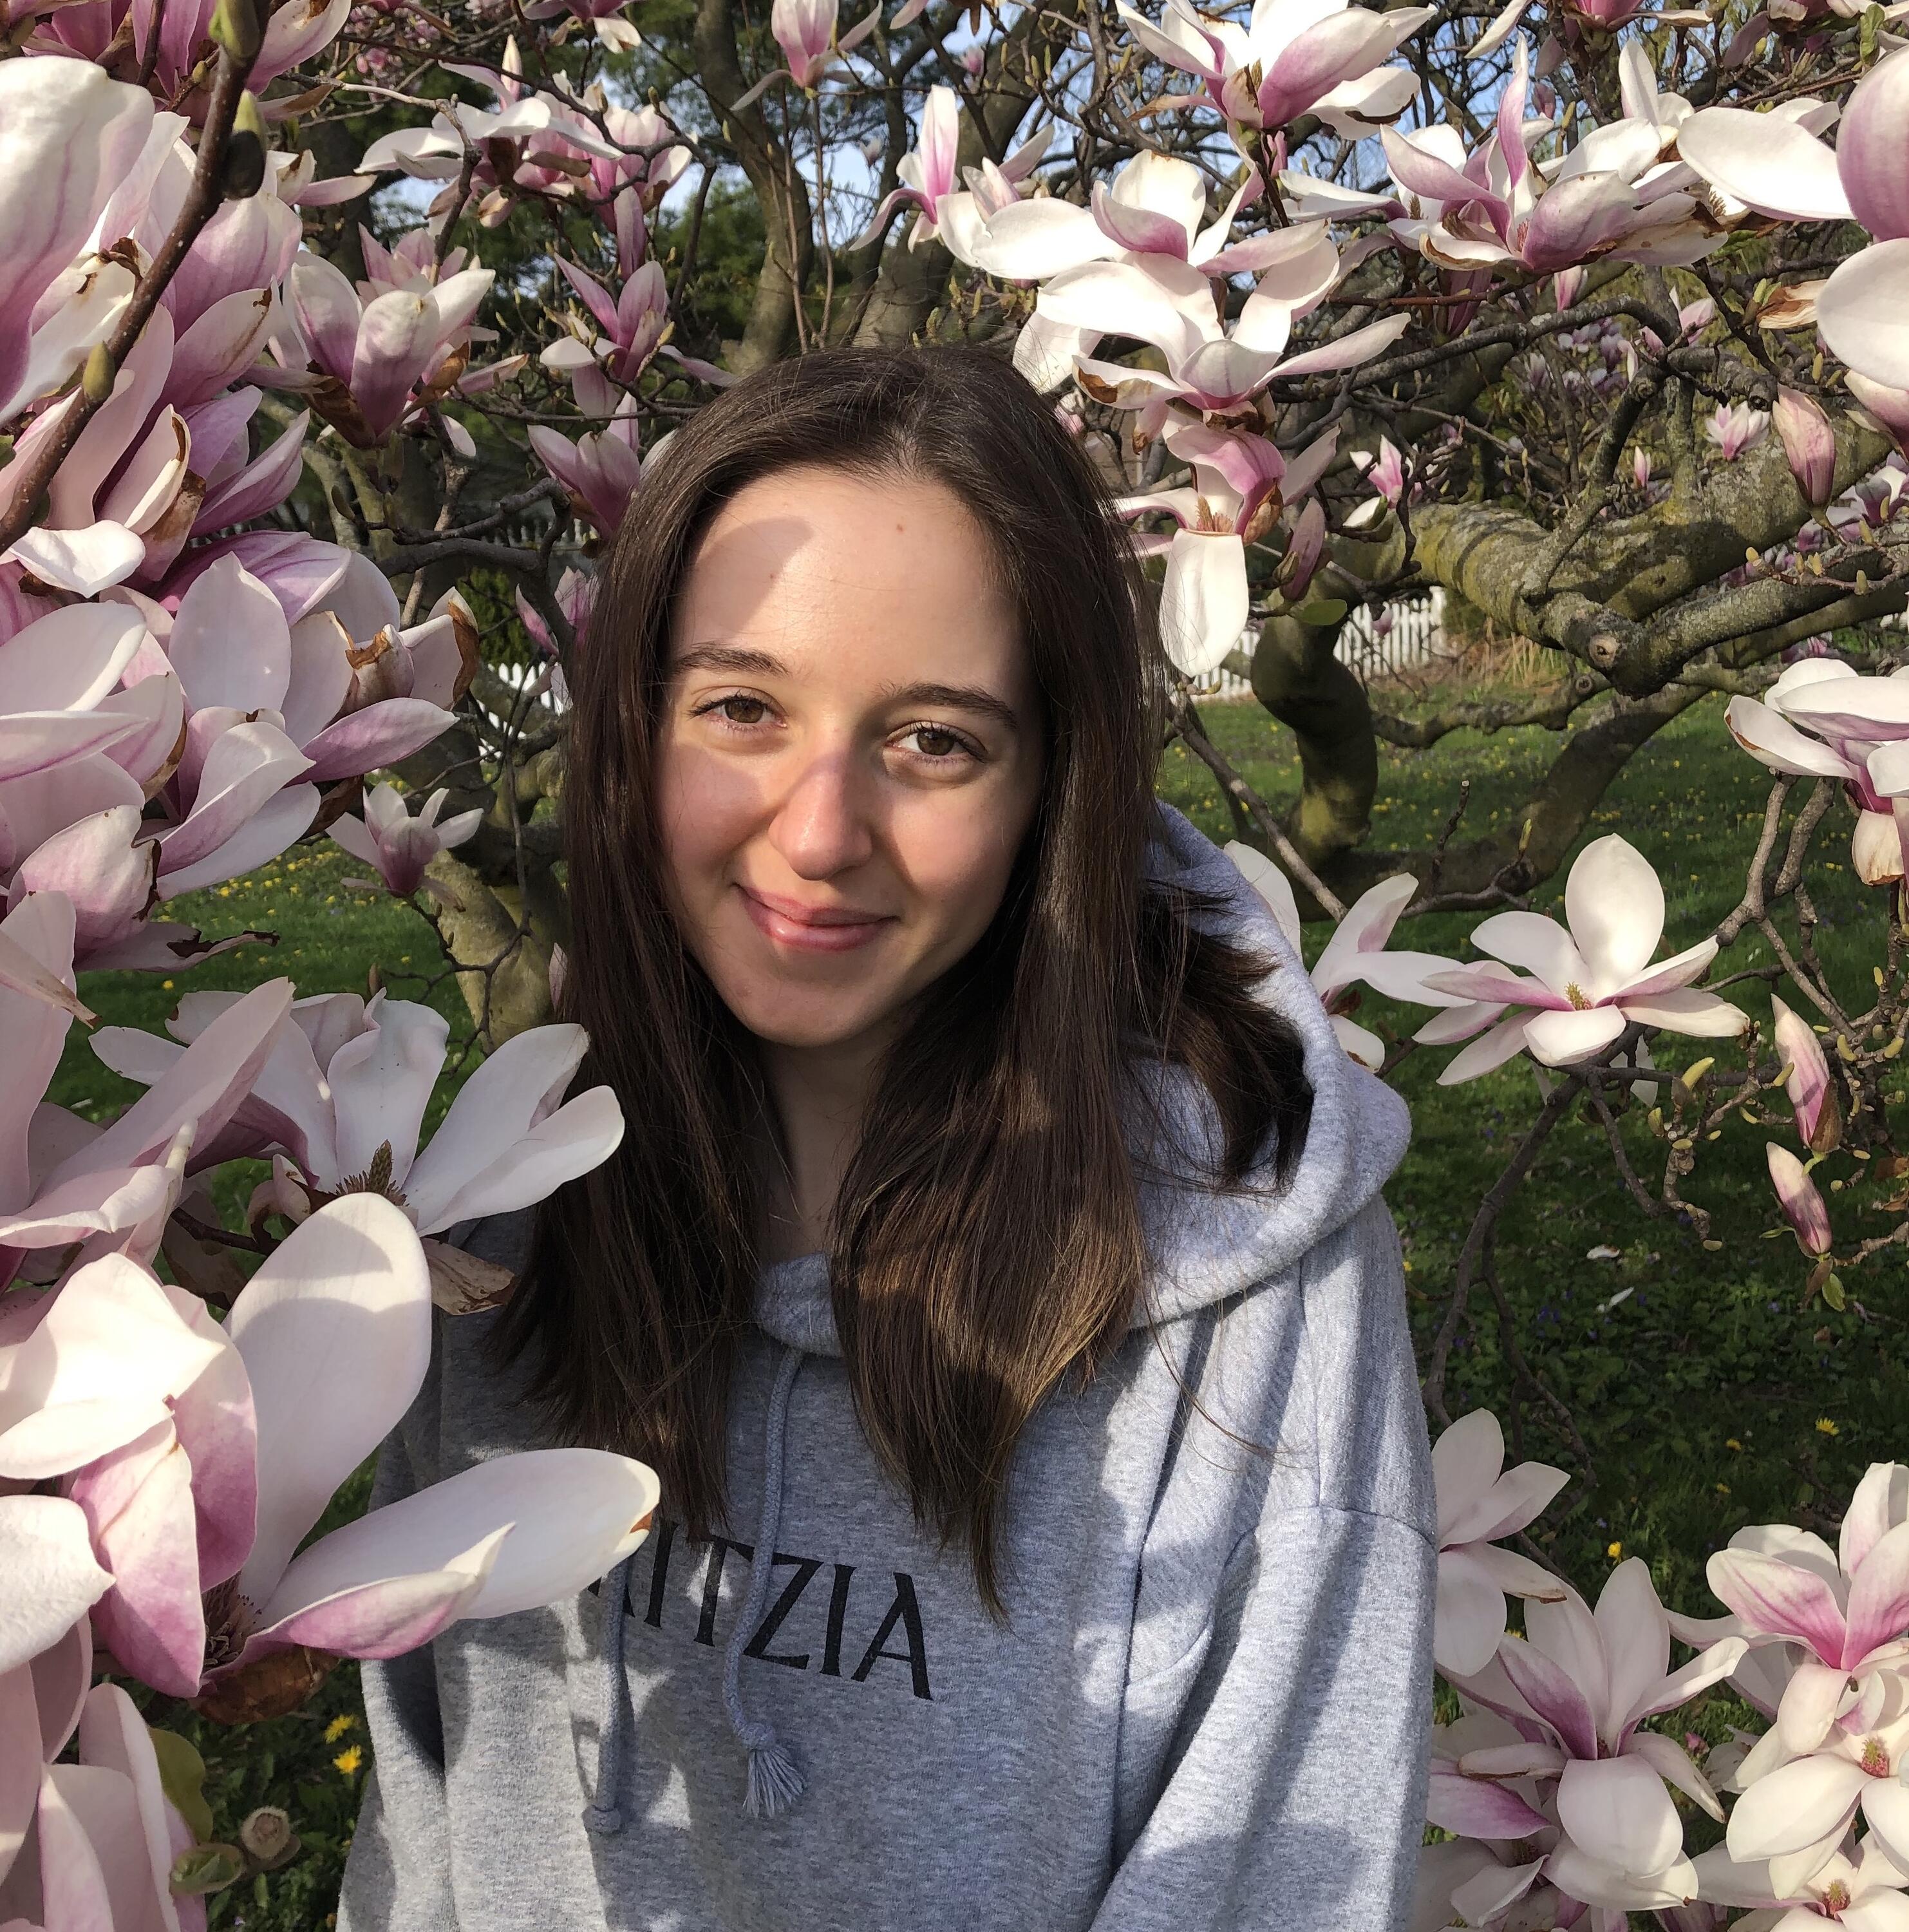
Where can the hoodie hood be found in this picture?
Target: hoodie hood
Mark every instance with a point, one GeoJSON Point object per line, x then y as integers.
{"type": "Point", "coordinates": [1206, 1246]}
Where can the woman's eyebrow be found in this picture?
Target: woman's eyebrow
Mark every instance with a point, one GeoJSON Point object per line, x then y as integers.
{"type": "Point", "coordinates": [956, 697]}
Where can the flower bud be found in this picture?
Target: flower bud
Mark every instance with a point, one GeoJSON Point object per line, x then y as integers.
{"type": "Point", "coordinates": [1810, 445]}
{"type": "Point", "coordinates": [267, 1838]}
{"type": "Point", "coordinates": [1797, 1194]}
{"type": "Point", "coordinates": [1303, 553]}
{"type": "Point", "coordinates": [1806, 1077]}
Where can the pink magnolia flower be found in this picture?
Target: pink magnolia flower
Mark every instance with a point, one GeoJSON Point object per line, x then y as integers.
{"type": "Point", "coordinates": [66, 1184]}
{"type": "Point", "coordinates": [602, 469]}
{"type": "Point", "coordinates": [1240, 483]}
{"type": "Point", "coordinates": [1735, 427]}
{"type": "Point", "coordinates": [1608, 197]}
{"type": "Point", "coordinates": [328, 1097]}
{"type": "Point", "coordinates": [334, 1330]}
{"type": "Point", "coordinates": [1640, 467]}
{"type": "Point", "coordinates": [1864, 1891]}
{"type": "Point", "coordinates": [1778, 167]}
{"type": "Point", "coordinates": [1355, 954]}
{"type": "Point", "coordinates": [1291, 59]}
{"type": "Point", "coordinates": [927, 171]}
{"type": "Point", "coordinates": [1479, 1501]}
{"type": "Point", "coordinates": [396, 845]}
{"type": "Point", "coordinates": [1592, 977]}
{"type": "Point", "coordinates": [1386, 472]}
{"type": "Point", "coordinates": [1210, 366]}
{"type": "Point", "coordinates": [364, 360]}
{"type": "Point", "coordinates": [1576, 1689]}
{"type": "Point", "coordinates": [1822, 718]}
{"type": "Point", "coordinates": [604, 17]}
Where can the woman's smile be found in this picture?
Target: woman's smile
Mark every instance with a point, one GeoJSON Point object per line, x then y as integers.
{"type": "Point", "coordinates": [810, 929]}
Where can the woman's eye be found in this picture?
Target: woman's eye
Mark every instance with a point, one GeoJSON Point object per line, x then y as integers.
{"type": "Point", "coordinates": [936, 742]}
{"type": "Point", "coordinates": [737, 710]}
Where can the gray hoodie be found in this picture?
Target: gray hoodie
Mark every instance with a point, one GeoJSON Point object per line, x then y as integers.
{"type": "Point", "coordinates": [1208, 1707]}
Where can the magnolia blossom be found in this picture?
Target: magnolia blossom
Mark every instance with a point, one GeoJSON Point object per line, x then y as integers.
{"type": "Point", "coordinates": [1355, 953]}
{"type": "Point", "coordinates": [1240, 484]}
{"type": "Point", "coordinates": [1479, 1501]}
{"type": "Point", "coordinates": [1211, 368]}
{"type": "Point", "coordinates": [1589, 980]}
{"type": "Point", "coordinates": [334, 1331]}
{"type": "Point", "coordinates": [1864, 1891]}
{"type": "Point", "coordinates": [1291, 58]}
{"type": "Point", "coordinates": [1822, 718]}
{"type": "Point", "coordinates": [343, 1095]}
{"type": "Point", "coordinates": [1577, 1687]}
{"type": "Point", "coordinates": [1735, 427]}
{"type": "Point", "coordinates": [398, 846]}
{"type": "Point", "coordinates": [1780, 167]}
{"type": "Point", "coordinates": [926, 173]}
{"type": "Point", "coordinates": [364, 359]}
{"type": "Point", "coordinates": [604, 17]}
{"type": "Point", "coordinates": [1608, 195]}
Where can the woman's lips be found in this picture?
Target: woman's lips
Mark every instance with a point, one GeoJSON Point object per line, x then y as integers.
{"type": "Point", "coordinates": [829, 932]}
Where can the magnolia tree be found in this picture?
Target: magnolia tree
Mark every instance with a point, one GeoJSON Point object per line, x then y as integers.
{"type": "Point", "coordinates": [1574, 309]}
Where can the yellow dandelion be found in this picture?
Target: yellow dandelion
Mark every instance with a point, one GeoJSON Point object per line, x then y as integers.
{"type": "Point", "coordinates": [348, 1761]}
{"type": "Point", "coordinates": [339, 1725]}
{"type": "Point", "coordinates": [1731, 1442]}
{"type": "Point", "coordinates": [1616, 1551]}
{"type": "Point", "coordinates": [1824, 1426]}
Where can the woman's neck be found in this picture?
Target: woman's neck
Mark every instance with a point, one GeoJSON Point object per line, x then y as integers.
{"type": "Point", "coordinates": [821, 1094]}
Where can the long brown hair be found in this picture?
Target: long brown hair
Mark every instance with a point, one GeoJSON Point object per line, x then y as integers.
{"type": "Point", "coordinates": [986, 1239]}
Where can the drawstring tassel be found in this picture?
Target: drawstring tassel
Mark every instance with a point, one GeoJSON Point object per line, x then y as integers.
{"type": "Point", "coordinates": [774, 1782]}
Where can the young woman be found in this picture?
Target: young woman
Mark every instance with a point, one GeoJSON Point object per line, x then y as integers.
{"type": "Point", "coordinates": [994, 1268]}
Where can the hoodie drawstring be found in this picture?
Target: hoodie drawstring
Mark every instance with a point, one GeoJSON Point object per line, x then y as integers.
{"type": "Point", "coordinates": [602, 1816]}
{"type": "Point", "coordinates": [775, 1781]}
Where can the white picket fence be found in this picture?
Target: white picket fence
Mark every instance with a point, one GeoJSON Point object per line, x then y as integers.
{"type": "Point", "coordinates": [1413, 637]}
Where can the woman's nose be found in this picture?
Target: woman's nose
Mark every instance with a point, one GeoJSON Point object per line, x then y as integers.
{"type": "Point", "coordinates": [823, 825]}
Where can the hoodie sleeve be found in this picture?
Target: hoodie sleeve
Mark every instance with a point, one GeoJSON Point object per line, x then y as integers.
{"type": "Point", "coordinates": [1286, 1792]}
{"type": "Point", "coordinates": [1295, 1802]}
{"type": "Point", "coordinates": [397, 1877]}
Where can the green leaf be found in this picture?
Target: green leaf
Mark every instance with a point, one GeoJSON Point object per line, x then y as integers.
{"type": "Point", "coordinates": [1321, 612]}
{"type": "Point", "coordinates": [1832, 1293]}
{"type": "Point", "coordinates": [182, 1778]}
{"type": "Point", "coordinates": [206, 1868]}
{"type": "Point", "coordinates": [1872, 21]}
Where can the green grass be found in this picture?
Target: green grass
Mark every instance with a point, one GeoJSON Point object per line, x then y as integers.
{"type": "Point", "coordinates": [1708, 1398]}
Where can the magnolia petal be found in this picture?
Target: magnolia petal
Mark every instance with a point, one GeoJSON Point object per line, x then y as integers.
{"type": "Point", "coordinates": [1551, 1695]}
{"type": "Point", "coordinates": [1617, 1811]}
{"type": "Point", "coordinates": [1539, 945]}
{"type": "Point", "coordinates": [1774, 166]}
{"type": "Point", "coordinates": [581, 1134]}
{"type": "Point", "coordinates": [335, 1332]}
{"type": "Point", "coordinates": [1205, 600]}
{"type": "Point", "coordinates": [1769, 737]}
{"type": "Point", "coordinates": [1613, 903]}
{"type": "Point", "coordinates": [1878, 1610]}
{"type": "Point", "coordinates": [1794, 1806]}
{"type": "Point", "coordinates": [1474, 1808]}
{"type": "Point", "coordinates": [1471, 1615]}
{"type": "Point", "coordinates": [378, 1619]}
{"type": "Point", "coordinates": [1563, 1038]}
{"type": "Point", "coordinates": [573, 1514]}
{"type": "Point", "coordinates": [1489, 1052]}
{"type": "Point", "coordinates": [1466, 1460]}
{"type": "Point", "coordinates": [52, 1578]}
{"type": "Point", "coordinates": [1771, 1597]}
{"type": "Point", "coordinates": [113, 1737]}
{"type": "Point", "coordinates": [1860, 313]}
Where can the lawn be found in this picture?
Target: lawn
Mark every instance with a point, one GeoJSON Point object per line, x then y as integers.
{"type": "Point", "coordinates": [1707, 1397]}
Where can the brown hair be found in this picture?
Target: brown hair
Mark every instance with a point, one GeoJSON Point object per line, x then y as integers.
{"type": "Point", "coordinates": [988, 1239]}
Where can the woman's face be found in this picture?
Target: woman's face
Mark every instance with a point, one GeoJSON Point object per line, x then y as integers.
{"type": "Point", "coordinates": [851, 751]}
